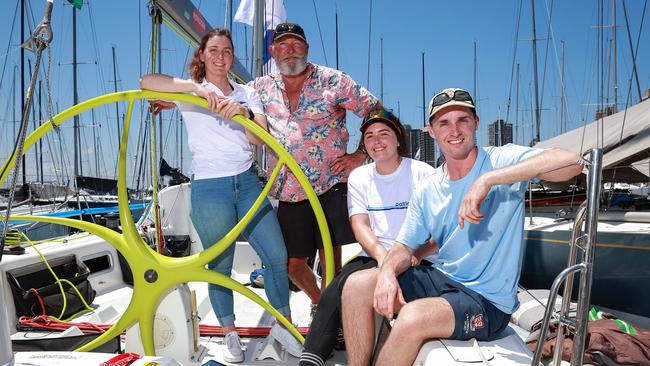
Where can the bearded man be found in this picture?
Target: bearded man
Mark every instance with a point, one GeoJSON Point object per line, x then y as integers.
{"type": "Point", "coordinates": [305, 105]}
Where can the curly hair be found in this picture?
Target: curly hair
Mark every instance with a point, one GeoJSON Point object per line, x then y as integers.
{"type": "Point", "coordinates": [196, 67]}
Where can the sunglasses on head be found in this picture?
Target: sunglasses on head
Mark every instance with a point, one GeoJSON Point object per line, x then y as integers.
{"type": "Point", "coordinates": [444, 98]}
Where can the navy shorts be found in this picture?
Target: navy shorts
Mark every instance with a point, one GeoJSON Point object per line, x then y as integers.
{"type": "Point", "coordinates": [300, 229]}
{"type": "Point", "coordinates": [475, 316]}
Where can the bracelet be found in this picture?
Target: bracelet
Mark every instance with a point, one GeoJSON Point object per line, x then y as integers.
{"type": "Point", "coordinates": [251, 115]}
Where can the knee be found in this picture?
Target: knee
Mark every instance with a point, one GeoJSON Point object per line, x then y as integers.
{"type": "Point", "coordinates": [358, 285]}
{"type": "Point", "coordinates": [276, 260]}
{"type": "Point", "coordinates": [295, 266]}
{"type": "Point", "coordinates": [408, 322]}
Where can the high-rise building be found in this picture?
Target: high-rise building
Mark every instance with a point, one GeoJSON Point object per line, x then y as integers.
{"type": "Point", "coordinates": [412, 140]}
{"type": "Point", "coordinates": [499, 133]}
{"type": "Point", "coordinates": [427, 147]}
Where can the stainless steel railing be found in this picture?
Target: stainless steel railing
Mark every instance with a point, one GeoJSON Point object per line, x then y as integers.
{"type": "Point", "coordinates": [582, 248]}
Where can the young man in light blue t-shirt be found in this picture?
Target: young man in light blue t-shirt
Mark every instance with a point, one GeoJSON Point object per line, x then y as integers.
{"type": "Point", "coordinates": [473, 207]}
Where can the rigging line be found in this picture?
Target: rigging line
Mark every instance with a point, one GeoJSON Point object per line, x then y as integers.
{"type": "Point", "coordinates": [103, 84]}
{"type": "Point", "coordinates": [320, 33]}
{"type": "Point", "coordinates": [629, 89]}
{"type": "Point", "coordinates": [93, 31]}
{"type": "Point", "coordinates": [514, 57]}
{"type": "Point", "coordinates": [549, 33]}
{"type": "Point", "coordinates": [634, 53]}
{"type": "Point", "coordinates": [369, 37]}
{"type": "Point", "coordinates": [4, 64]}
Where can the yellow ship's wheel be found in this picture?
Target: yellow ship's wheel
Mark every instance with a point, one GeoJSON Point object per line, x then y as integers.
{"type": "Point", "coordinates": [153, 273]}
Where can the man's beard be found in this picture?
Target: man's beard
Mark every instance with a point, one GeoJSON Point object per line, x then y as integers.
{"type": "Point", "coordinates": [298, 66]}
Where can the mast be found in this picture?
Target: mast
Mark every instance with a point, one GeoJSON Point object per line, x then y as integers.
{"type": "Point", "coordinates": [475, 75]}
{"type": "Point", "coordinates": [424, 104]}
{"type": "Point", "coordinates": [381, 72]}
{"type": "Point", "coordinates": [517, 104]}
{"type": "Point", "coordinates": [22, 73]}
{"type": "Point", "coordinates": [13, 98]}
{"type": "Point", "coordinates": [537, 110]}
{"type": "Point", "coordinates": [562, 115]}
{"type": "Point", "coordinates": [227, 23]}
{"type": "Point", "coordinates": [258, 38]}
{"type": "Point", "coordinates": [159, 66]}
{"type": "Point", "coordinates": [40, 141]}
{"type": "Point", "coordinates": [78, 167]}
{"type": "Point", "coordinates": [36, 152]}
{"type": "Point", "coordinates": [615, 81]}
{"type": "Point", "coordinates": [117, 105]}
{"type": "Point", "coordinates": [336, 28]}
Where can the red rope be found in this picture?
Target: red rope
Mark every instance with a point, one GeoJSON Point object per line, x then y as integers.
{"type": "Point", "coordinates": [123, 359]}
{"type": "Point", "coordinates": [40, 300]}
{"type": "Point", "coordinates": [49, 323]}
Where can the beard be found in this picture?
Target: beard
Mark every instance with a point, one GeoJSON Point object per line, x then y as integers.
{"type": "Point", "coordinates": [298, 66]}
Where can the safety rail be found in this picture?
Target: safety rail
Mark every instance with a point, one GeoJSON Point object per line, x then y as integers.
{"type": "Point", "coordinates": [582, 246]}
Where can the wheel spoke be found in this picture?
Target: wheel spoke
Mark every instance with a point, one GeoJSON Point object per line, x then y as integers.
{"type": "Point", "coordinates": [140, 257]}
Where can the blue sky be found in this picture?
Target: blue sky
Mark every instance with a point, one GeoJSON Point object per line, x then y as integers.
{"type": "Point", "coordinates": [445, 31]}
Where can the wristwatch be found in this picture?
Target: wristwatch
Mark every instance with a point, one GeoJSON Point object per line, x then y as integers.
{"type": "Point", "coordinates": [251, 115]}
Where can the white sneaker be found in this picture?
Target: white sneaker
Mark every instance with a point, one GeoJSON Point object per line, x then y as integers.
{"type": "Point", "coordinates": [286, 339]}
{"type": "Point", "coordinates": [233, 352]}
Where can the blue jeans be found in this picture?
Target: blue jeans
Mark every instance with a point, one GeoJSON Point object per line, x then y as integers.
{"type": "Point", "coordinates": [217, 204]}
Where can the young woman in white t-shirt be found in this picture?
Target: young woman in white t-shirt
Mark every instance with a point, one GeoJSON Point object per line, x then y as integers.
{"type": "Point", "coordinates": [224, 181]}
{"type": "Point", "coordinates": [378, 196]}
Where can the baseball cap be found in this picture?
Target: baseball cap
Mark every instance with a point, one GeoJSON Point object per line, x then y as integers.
{"type": "Point", "coordinates": [450, 97]}
{"type": "Point", "coordinates": [285, 29]}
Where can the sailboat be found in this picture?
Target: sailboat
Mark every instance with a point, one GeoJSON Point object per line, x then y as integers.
{"type": "Point", "coordinates": [623, 248]}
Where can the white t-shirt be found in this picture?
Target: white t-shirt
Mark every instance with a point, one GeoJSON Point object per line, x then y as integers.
{"type": "Point", "coordinates": [219, 147]}
{"type": "Point", "coordinates": [385, 198]}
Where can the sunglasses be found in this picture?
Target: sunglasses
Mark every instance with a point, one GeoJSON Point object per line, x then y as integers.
{"type": "Point", "coordinates": [381, 115]}
{"type": "Point", "coordinates": [444, 98]}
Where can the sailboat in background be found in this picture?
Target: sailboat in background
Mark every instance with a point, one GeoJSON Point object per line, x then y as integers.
{"type": "Point", "coordinates": [622, 268]}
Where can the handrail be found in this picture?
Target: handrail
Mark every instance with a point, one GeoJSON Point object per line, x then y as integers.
{"type": "Point", "coordinates": [588, 215]}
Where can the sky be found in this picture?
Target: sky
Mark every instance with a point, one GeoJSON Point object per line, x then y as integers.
{"type": "Point", "coordinates": [471, 44]}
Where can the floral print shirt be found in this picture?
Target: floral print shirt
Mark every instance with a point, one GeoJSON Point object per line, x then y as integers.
{"type": "Point", "coordinates": [315, 133]}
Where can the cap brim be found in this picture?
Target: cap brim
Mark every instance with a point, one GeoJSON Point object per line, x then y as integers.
{"type": "Point", "coordinates": [450, 104]}
{"type": "Point", "coordinates": [392, 125]}
{"type": "Point", "coordinates": [289, 34]}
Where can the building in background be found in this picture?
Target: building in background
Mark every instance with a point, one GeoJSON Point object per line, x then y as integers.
{"type": "Point", "coordinates": [412, 140]}
{"type": "Point", "coordinates": [499, 133]}
{"type": "Point", "coordinates": [427, 148]}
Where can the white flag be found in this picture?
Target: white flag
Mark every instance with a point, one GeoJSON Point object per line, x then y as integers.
{"type": "Point", "coordinates": [274, 14]}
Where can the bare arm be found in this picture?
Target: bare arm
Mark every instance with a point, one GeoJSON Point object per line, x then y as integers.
{"type": "Point", "coordinates": [226, 106]}
{"type": "Point", "coordinates": [423, 251]}
{"type": "Point", "coordinates": [169, 84]}
{"type": "Point", "coordinates": [367, 238]}
{"type": "Point", "coordinates": [387, 290]}
{"type": "Point", "coordinates": [260, 119]}
{"type": "Point", "coordinates": [555, 165]}
{"type": "Point", "coordinates": [348, 162]}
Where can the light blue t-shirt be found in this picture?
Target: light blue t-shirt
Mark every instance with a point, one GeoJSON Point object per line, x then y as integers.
{"type": "Point", "coordinates": [485, 257]}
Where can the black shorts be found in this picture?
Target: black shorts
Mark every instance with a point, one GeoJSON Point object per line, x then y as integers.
{"type": "Point", "coordinates": [475, 316]}
{"type": "Point", "coordinates": [300, 229]}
